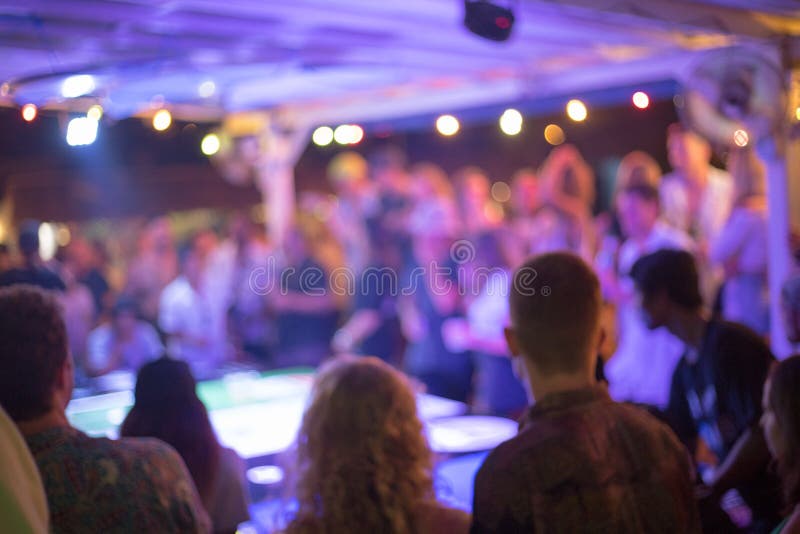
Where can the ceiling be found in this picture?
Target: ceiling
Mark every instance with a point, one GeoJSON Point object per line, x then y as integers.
{"type": "Point", "coordinates": [344, 60]}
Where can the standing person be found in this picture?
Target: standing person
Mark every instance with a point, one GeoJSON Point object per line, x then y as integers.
{"type": "Point", "coordinates": [92, 484]}
{"type": "Point", "coordinates": [429, 296]}
{"type": "Point", "coordinates": [362, 461]}
{"type": "Point", "coordinates": [740, 249]}
{"type": "Point", "coordinates": [781, 424]}
{"type": "Point", "coordinates": [717, 386]}
{"type": "Point", "coordinates": [641, 368]}
{"type": "Point", "coordinates": [581, 462]}
{"type": "Point", "coordinates": [696, 198]}
{"type": "Point", "coordinates": [526, 200]}
{"type": "Point", "coordinates": [186, 317]}
{"type": "Point", "coordinates": [125, 342]}
{"type": "Point", "coordinates": [153, 268]}
{"type": "Point", "coordinates": [167, 407]}
{"type": "Point", "coordinates": [32, 271]}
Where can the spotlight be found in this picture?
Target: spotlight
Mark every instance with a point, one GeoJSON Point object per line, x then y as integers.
{"type": "Point", "coordinates": [207, 89]}
{"type": "Point", "coordinates": [488, 19]}
{"type": "Point", "coordinates": [447, 125]}
{"type": "Point", "coordinates": [29, 112]}
{"type": "Point", "coordinates": [81, 131]}
{"type": "Point", "coordinates": [76, 86]}
{"type": "Point", "coordinates": [553, 134]}
{"type": "Point", "coordinates": [322, 136]}
{"type": "Point", "coordinates": [162, 119]}
{"type": "Point", "coordinates": [95, 112]}
{"type": "Point", "coordinates": [740, 138]}
{"type": "Point", "coordinates": [511, 122]}
{"type": "Point", "coordinates": [576, 110]}
{"type": "Point", "coordinates": [641, 100]}
{"type": "Point", "coordinates": [210, 144]}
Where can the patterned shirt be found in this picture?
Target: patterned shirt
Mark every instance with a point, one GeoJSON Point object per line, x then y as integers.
{"type": "Point", "coordinates": [130, 485]}
{"type": "Point", "coordinates": [584, 463]}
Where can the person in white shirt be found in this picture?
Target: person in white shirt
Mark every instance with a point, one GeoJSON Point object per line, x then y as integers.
{"type": "Point", "coordinates": [187, 317]}
{"type": "Point", "coordinates": [696, 198]}
{"type": "Point", "coordinates": [641, 369]}
{"type": "Point", "coordinates": [126, 342]}
{"type": "Point", "coordinates": [741, 247]}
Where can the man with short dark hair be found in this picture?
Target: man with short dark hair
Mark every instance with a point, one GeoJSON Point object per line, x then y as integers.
{"type": "Point", "coordinates": [717, 386]}
{"type": "Point", "coordinates": [92, 484]}
{"type": "Point", "coordinates": [581, 462]}
{"type": "Point", "coordinates": [32, 271]}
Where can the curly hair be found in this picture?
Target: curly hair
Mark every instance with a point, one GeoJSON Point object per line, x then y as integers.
{"type": "Point", "coordinates": [785, 404]}
{"type": "Point", "coordinates": [362, 461]}
{"type": "Point", "coordinates": [33, 349]}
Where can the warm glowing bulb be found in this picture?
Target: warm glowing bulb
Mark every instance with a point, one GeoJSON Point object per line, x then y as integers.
{"type": "Point", "coordinates": [210, 144]}
{"type": "Point", "coordinates": [322, 136]}
{"type": "Point", "coordinates": [29, 112]}
{"type": "Point", "coordinates": [576, 110]}
{"type": "Point", "coordinates": [356, 134]}
{"type": "Point", "coordinates": [553, 134]}
{"type": "Point", "coordinates": [162, 119]}
{"type": "Point", "coordinates": [511, 122]}
{"type": "Point", "coordinates": [348, 134]}
{"type": "Point", "coordinates": [740, 138]}
{"type": "Point", "coordinates": [640, 99]}
{"type": "Point", "coordinates": [95, 112]}
{"type": "Point", "coordinates": [207, 89]}
{"type": "Point", "coordinates": [447, 125]}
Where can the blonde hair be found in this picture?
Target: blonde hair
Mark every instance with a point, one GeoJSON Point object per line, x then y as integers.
{"type": "Point", "coordinates": [362, 462]}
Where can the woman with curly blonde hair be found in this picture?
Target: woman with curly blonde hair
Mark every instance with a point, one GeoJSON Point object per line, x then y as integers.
{"type": "Point", "coordinates": [363, 464]}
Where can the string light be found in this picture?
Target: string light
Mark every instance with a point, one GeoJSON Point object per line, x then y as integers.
{"type": "Point", "coordinates": [210, 144]}
{"type": "Point", "coordinates": [576, 110]}
{"type": "Point", "coordinates": [640, 99]}
{"type": "Point", "coordinates": [553, 134]}
{"type": "Point", "coordinates": [29, 112]}
{"type": "Point", "coordinates": [511, 122]}
{"type": "Point", "coordinates": [322, 136]}
{"type": "Point", "coordinates": [447, 125]}
{"type": "Point", "coordinates": [162, 119]}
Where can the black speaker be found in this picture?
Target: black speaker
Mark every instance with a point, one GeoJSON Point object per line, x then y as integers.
{"type": "Point", "coordinates": [489, 20]}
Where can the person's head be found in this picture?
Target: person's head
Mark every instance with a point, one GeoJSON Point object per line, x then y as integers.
{"type": "Point", "coordinates": [781, 424]}
{"type": "Point", "coordinates": [348, 173]}
{"type": "Point", "coordinates": [28, 240]}
{"type": "Point", "coordinates": [525, 192]}
{"type": "Point", "coordinates": [167, 407]}
{"type": "Point", "coordinates": [191, 263]}
{"type": "Point", "coordinates": [688, 153]}
{"type": "Point", "coordinates": [35, 365]}
{"type": "Point", "coordinates": [637, 210]}
{"type": "Point", "coordinates": [555, 307]}
{"type": "Point", "coordinates": [363, 463]}
{"type": "Point", "coordinates": [667, 283]}
{"type": "Point", "coordinates": [790, 301]}
{"type": "Point", "coordinates": [748, 173]}
{"type": "Point", "coordinates": [429, 181]}
{"type": "Point", "coordinates": [388, 168]}
{"type": "Point", "coordinates": [124, 315]}
{"type": "Point", "coordinates": [638, 168]}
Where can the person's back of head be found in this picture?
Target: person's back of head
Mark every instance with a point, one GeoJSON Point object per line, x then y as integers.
{"type": "Point", "coordinates": [667, 279]}
{"type": "Point", "coordinates": [363, 462]}
{"type": "Point", "coordinates": [638, 168]}
{"type": "Point", "coordinates": [33, 353]}
{"type": "Point", "coordinates": [29, 240]}
{"type": "Point", "coordinates": [555, 306]}
{"type": "Point", "coordinates": [167, 407]}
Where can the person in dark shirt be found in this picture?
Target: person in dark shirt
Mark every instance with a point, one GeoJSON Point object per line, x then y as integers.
{"type": "Point", "coordinates": [581, 462]}
{"type": "Point", "coordinates": [32, 272]}
{"type": "Point", "coordinates": [717, 386]}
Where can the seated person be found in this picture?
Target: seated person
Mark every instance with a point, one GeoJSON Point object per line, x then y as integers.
{"type": "Point", "coordinates": [581, 462]}
{"type": "Point", "coordinates": [23, 505]}
{"type": "Point", "coordinates": [363, 464]}
{"type": "Point", "coordinates": [126, 342]}
{"type": "Point", "coordinates": [717, 386]}
{"type": "Point", "coordinates": [92, 484]}
{"type": "Point", "coordinates": [168, 408]}
{"type": "Point", "coordinates": [781, 424]}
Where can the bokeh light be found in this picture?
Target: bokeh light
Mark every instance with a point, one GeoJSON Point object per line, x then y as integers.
{"type": "Point", "coordinates": [447, 125]}
{"type": "Point", "coordinates": [29, 112]}
{"type": "Point", "coordinates": [210, 144]}
{"type": "Point", "coordinates": [640, 99]}
{"type": "Point", "coordinates": [511, 122]}
{"type": "Point", "coordinates": [576, 110]}
{"type": "Point", "coordinates": [554, 135]}
{"type": "Point", "coordinates": [162, 119]}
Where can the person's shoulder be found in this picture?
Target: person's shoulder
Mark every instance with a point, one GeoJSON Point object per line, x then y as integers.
{"type": "Point", "coordinates": [644, 423]}
{"type": "Point", "coordinates": [736, 335]}
{"type": "Point", "coordinates": [435, 518]}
